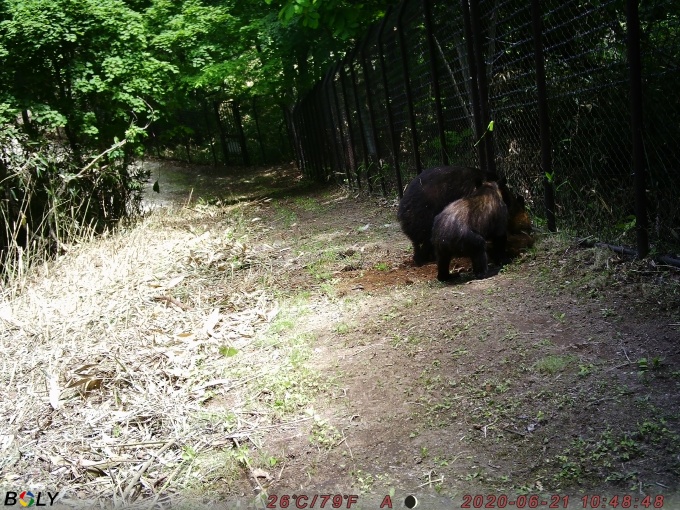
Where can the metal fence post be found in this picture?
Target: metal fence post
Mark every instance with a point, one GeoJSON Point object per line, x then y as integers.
{"type": "Point", "coordinates": [345, 149]}
{"type": "Point", "coordinates": [318, 116]}
{"type": "Point", "coordinates": [434, 72]}
{"type": "Point", "coordinates": [407, 86]}
{"type": "Point", "coordinates": [329, 124]}
{"type": "Point", "coordinates": [315, 116]}
{"type": "Point", "coordinates": [543, 116]}
{"type": "Point", "coordinates": [474, 86]}
{"type": "Point", "coordinates": [388, 103]}
{"type": "Point", "coordinates": [210, 133]}
{"type": "Point", "coordinates": [313, 134]}
{"type": "Point", "coordinates": [293, 137]}
{"type": "Point", "coordinates": [308, 138]}
{"type": "Point", "coordinates": [351, 154]}
{"type": "Point", "coordinates": [301, 124]}
{"type": "Point", "coordinates": [487, 140]}
{"type": "Point", "coordinates": [635, 67]}
{"type": "Point", "coordinates": [360, 120]}
{"type": "Point", "coordinates": [371, 115]}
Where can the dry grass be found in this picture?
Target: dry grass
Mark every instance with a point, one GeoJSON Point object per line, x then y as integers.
{"type": "Point", "coordinates": [110, 354]}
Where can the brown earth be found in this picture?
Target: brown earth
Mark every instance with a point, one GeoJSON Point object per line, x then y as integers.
{"type": "Point", "coordinates": [557, 375]}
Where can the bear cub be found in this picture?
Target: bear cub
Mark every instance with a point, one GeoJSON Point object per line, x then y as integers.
{"type": "Point", "coordinates": [464, 226]}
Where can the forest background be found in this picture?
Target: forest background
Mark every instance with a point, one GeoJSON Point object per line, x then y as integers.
{"type": "Point", "coordinates": [86, 86]}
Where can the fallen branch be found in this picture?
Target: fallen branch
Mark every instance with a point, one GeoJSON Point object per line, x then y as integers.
{"type": "Point", "coordinates": [144, 468]}
{"type": "Point", "coordinates": [173, 301]}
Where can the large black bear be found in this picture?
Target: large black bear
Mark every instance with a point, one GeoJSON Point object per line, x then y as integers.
{"type": "Point", "coordinates": [463, 227]}
{"type": "Point", "coordinates": [426, 196]}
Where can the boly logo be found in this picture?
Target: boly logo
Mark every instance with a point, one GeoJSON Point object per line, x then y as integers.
{"type": "Point", "coordinates": [27, 498]}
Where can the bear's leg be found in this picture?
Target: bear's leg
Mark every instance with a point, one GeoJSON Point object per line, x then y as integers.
{"type": "Point", "coordinates": [419, 255]}
{"type": "Point", "coordinates": [428, 252]}
{"type": "Point", "coordinates": [478, 255]}
{"type": "Point", "coordinates": [499, 253]}
{"type": "Point", "coordinates": [443, 263]}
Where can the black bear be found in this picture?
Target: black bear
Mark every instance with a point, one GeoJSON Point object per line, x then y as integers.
{"type": "Point", "coordinates": [426, 196]}
{"type": "Point", "coordinates": [463, 227]}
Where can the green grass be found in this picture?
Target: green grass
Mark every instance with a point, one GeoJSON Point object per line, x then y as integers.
{"type": "Point", "coordinates": [343, 328]}
{"type": "Point", "coordinates": [308, 204]}
{"type": "Point", "coordinates": [286, 216]}
{"type": "Point", "coordinates": [553, 364]}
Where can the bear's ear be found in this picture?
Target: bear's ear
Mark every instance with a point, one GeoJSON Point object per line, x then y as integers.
{"type": "Point", "coordinates": [478, 182]}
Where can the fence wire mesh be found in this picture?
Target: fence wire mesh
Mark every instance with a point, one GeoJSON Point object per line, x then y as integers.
{"type": "Point", "coordinates": [588, 84]}
{"type": "Point", "coordinates": [374, 122]}
{"type": "Point", "coordinates": [216, 131]}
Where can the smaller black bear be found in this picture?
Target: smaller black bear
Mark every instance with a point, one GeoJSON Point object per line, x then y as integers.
{"type": "Point", "coordinates": [463, 227]}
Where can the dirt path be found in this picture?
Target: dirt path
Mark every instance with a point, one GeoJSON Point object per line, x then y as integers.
{"type": "Point", "coordinates": [278, 341]}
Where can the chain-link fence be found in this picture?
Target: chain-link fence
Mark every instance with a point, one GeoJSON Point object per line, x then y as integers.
{"type": "Point", "coordinates": [583, 98]}
{"type": "Point", "coordinates": [213, 131]}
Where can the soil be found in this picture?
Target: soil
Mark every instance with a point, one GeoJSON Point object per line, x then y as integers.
{"type": "Point", "coordinates": [559, 374]}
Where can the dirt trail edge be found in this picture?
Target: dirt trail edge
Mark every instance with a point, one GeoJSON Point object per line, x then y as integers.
{"type": "Point", "coordinates": [275, 340]}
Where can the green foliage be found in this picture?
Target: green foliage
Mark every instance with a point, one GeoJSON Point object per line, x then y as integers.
{"type": "Point", "coordinates": [80, 80]}
{"type": "Point", "coordinates": [315, 33]}
{"type": "Point", "coordinates": [344, 19]}
{"type": "Point", "coordinates": [77, 78]}
{"type": "Point", "coordinates": [82, 65]}
{"type": "Point", "coordinates": [489, 129]}
{"type": "Point", "coordinates": [246, 52]}
{"type": "Point", "coordinates": [193, 37]}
